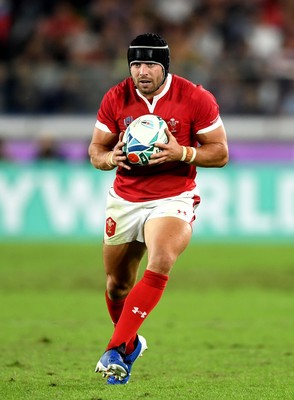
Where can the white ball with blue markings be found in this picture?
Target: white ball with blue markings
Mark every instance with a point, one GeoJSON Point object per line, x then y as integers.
{"type": "Point", "coordinates": [140, 136]}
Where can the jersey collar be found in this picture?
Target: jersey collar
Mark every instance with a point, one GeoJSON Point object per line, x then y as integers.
{"type": "Point", "coordinates": [151, 106]}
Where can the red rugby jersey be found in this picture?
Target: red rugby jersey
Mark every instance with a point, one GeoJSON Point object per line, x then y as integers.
{"type": "Point", "coordinates": [186, 108]}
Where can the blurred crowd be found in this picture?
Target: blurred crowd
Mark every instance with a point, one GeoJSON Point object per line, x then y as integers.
{"type": "Point", "coordinates": [59, 56]}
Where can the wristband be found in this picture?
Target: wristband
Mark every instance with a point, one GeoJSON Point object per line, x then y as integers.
{"type": "Point", "coordinates": [193, 155]}
{"type": "Point", "coordinates": [109, 160]}
{"type": "Point", "coordinates": [189, 154]}
{"type": "Point", "coordinates": [184, 153]}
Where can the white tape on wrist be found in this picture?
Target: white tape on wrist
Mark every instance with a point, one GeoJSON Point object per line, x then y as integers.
{"type": "Point", "coordinates": [109, 160]}
{"type": "Point", "coordinates": [184, 153]}
{"type": "Point", "coordinates": [194, 155]}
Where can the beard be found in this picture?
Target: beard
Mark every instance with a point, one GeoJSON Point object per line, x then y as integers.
{"type": "Point", "coordinates": [147, 86]}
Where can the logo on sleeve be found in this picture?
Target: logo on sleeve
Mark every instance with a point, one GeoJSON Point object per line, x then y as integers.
{"type": "Point", "coordinates": [128, 120]}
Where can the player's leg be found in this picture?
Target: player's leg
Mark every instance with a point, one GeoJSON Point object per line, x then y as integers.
{"type": "Point", "coordinates": [121, 267]}
{"type": "Point", "coordinates": [123, 250]}
{"type": "Point", "coordinates": [121, 263]}
{"type": "Point", "coordinates": [166, 238]}
{"type": "Point", "coordinates": [167, 234]}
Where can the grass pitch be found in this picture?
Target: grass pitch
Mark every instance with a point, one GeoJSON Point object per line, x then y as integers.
{"type": "Point", "coordinates": [223, 330]}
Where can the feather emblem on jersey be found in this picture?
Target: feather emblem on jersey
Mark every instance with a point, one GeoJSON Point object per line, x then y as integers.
{"type": "Point", "coordinates": [174, 125]}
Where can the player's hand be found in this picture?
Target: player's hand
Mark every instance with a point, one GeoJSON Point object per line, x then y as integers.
{"type": "Point", "coordinates": [118, 156]}
{"type": "Point", "coordinates": [170, 151]}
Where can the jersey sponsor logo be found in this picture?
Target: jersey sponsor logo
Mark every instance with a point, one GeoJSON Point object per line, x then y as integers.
{"type": "Point", "coordinates": [173, 125]}
{"type": "Point", "coordinates": [110, 227]}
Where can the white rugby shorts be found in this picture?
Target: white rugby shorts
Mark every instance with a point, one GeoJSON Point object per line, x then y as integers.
{"type": "Point", "coordinates": [125, 220]}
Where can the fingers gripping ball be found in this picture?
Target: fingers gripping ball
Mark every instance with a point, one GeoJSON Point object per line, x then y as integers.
{"type": "Point", "coordinates": [140, 137]}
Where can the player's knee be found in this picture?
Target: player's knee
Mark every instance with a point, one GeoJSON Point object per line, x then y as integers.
{"type": "Point", "coordinates": [117, 290]}
{"type": "Point", "coordinates": [161, 263]}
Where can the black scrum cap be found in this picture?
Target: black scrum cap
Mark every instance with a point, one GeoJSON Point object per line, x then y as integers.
{"type": "Point", "coordinates": [150, 48]}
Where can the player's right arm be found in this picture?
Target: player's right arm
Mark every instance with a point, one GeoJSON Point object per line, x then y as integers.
{"type": "Point", "coordinates": [105, 150]}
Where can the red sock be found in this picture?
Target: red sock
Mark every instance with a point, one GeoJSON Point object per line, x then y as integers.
{"type": "Point", "coordinates": [115, 308]}
{"type": "Point", "coordinates": [139, 303]}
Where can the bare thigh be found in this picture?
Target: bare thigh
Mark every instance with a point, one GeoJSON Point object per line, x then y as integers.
{"type": "Point", "coordinates": [121, 263]}
{"type": "Point", "coordinates": [166, 238]}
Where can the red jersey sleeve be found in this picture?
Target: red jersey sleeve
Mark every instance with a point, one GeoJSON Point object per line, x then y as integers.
{"type": "Point", "coordinates": [106, 114]}
{"type": "Point", "coordinates": [207, 111]}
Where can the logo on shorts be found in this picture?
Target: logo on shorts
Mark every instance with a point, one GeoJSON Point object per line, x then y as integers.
{"type": "Point", "coordinates": [182, 212]}
{"type": "Point", "coordinates": [110, 227]}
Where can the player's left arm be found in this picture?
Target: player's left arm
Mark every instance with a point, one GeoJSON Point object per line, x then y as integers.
{"type": "Point", "coordinates": [213, 150]}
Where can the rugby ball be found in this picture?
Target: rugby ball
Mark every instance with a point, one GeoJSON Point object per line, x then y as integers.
{"type": "Point", "coordinates": [140, 136]}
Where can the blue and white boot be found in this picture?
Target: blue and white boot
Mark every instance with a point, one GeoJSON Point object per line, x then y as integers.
{"type": "Point", "coordinates": [129, 360]}
{"type": "Point", "coordinates": [111, 364]}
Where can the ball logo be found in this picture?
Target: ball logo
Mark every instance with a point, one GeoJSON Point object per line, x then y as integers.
{"type": "Point", "coordinates": [133, 158]}
{"type": "Point", "coordinates": [147, 123]}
